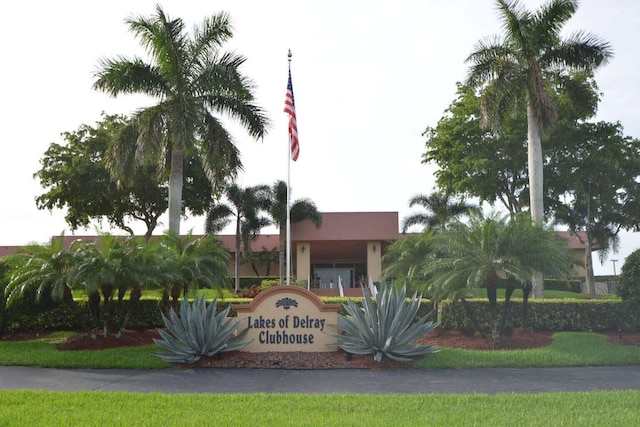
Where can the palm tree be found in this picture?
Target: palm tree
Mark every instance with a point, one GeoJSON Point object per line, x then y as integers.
{"type": "Point", "coordinates": [518, 68]}
{"type": "Point", "coordinates": [47, 269]}
{"type": "Point", "coordinates": [440, 208]}
{"type": "Point", "coordinates": [195, 262]}
{"type": "Point", "coordinates": [192, 79]}
{"type": "Point", "coordinates": [486, 251]}
{"type": "Point", "coordinates": [301, 210]}
{"type": "Point", "coordinates": [106, 270]}
{"type": "Point", "coordinates": [246, 205]}
{"type": "Point", "coordinates": [407, 258]}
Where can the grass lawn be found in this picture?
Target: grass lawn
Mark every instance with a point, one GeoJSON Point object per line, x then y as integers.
{"type": "Point", "coordinates": [568, 349]}
{"type": "Point", "coordinates": [39, 408]}
{"type": "Point", "coordinates": [548, 294]}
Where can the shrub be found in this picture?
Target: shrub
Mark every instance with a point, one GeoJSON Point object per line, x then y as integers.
{"type": "Point", "coordinates": [629, 284]}
{"type": "Point", "coordinates": [387, 328]}
{"type": "Point", "coordinates": [199, 331]}
{"type": "Point", "coordinates": [546, 315]}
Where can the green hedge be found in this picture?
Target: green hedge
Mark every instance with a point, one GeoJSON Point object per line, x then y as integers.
{"type": "Point", "coordinates": [548, 315]}
{"type": "Point", "coordinates": [28, 316]}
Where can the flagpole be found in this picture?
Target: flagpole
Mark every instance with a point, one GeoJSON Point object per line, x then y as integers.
{"type": "Point", "coordinates": [289, 55]}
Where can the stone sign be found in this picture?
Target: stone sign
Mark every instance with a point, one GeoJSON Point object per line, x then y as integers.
{"type": "Point", "coordinates": [288, 318]}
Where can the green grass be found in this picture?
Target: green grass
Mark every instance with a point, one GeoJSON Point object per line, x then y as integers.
{"type": "Point", "coordinates": [80, 294]}
{"type": "Point", "coordinates": [41, 408]}
{"type": "Point", "coordinates": [568, 349]}
{"type": "Point", "coordinates": [43, 353]}
{"type": "Point", "coordinates": [548, 294]}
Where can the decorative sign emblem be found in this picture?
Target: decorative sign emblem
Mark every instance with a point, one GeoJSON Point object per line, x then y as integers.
{"type": "Point", "coordinates": [287, 303]}
{"type": "Point", "coordinates": [288, 318]}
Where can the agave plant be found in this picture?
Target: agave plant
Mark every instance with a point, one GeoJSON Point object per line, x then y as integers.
{"type": "Point", "coordinates": [198, 332]}
{"type": "Point", "coordinates": [386, 328]}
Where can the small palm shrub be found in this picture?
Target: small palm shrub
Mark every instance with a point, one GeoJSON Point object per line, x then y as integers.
{"type": "Point", "coordinates": [386, 328]}
{"type": "Point", "coordinates": [198, 332]}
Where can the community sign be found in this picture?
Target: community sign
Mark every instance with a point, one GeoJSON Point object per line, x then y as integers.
{"type": "Point", "coordinates": [288, 318]}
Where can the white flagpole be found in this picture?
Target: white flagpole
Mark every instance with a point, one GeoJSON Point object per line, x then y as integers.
{"type": "Point", "coordinates": [289, 55]}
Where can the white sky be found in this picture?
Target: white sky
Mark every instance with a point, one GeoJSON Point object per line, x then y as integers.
{"type": "Point", "coordinates": [368, 76]}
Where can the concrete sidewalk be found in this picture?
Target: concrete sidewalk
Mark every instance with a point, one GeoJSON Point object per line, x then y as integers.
{"type": "Point", "coordinates": [212, 380]}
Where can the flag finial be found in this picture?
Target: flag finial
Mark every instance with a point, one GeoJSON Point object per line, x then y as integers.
{"type": "Point", "coordinates": [289, 55]}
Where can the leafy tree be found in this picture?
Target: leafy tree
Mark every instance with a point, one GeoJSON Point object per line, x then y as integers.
{"type": "Point", "coordinates": [76, 177]}
{"type": "Point", "coordinates": [595, 176]}
{"type": "Point", "coordinates": [192, 79]}
{"type": "Point", "coordinates": [477, 162]}
{"type": "Point", "coordinates": [246, 205]}
{"type": "Point", "coordinates": [300, 210]}
{"type": "Point", "coordinates": [486, 250]}
{"type": "Point", "coordinates": [629, 284]}
{"type": "Point", "coordinates": [518, 67]}
{"type": "Point", "coordinates": [440, 209]}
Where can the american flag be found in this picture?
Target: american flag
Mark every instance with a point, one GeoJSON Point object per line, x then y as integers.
{"type": "Point", "coordinates": [290, 108]}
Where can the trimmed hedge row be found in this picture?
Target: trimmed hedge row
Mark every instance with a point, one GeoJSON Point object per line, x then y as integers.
{"type": "Point", "coordinates": [28, 316]}
{"type": "Point", "coordinates": [548, 315]}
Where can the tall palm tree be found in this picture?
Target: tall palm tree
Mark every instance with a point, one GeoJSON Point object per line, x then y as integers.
{"type": "Point", "coordinates": [246, 205]}
{"type": "Point", "coordinates": [301, 210]}
{"type": "Point", "coordinates": [192, 79]}
{"type": "Point", "coordinates": [518, 68]}
{"type": "Point", "coordinates": [440, 208]}
{"type": "Point", "coordinates": [487, 250]}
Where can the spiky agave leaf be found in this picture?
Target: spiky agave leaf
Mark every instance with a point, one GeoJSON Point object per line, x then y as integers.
{"type": "Point", "coordinates": [198, 332]}
{"type": "Point", "coordinates": [386, 328]}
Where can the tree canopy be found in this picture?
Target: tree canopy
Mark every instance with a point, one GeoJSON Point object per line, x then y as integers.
{"type": "Point", "coordinates": [75, 176]}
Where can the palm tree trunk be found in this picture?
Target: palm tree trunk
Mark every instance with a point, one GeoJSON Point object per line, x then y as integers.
{"type": "Point", "coordinates": [534, 152]}
{"type": "Point", "coordinates": [67, 297]}
{"type": "Point", "coordinates": [236, 266]}
{"type": "Point", "coordinates": [134, 297]}
{"type": "Point", "coordinates": [506, 311]}
{"type": "Point", "coordinates": [175, 190]}
{"type": "Point", "coordinates": [526, 289]}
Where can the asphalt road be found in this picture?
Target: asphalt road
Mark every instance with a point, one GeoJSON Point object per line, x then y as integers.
{"type": "Point", "coordinates": [213, 380]}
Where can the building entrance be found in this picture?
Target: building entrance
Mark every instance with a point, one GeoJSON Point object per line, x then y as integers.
{"type": "Point", "coordinates": [326, 275]}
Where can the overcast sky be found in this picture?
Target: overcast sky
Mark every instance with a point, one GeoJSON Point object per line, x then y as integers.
{"type": "Point", "coordinates": [368, 76]}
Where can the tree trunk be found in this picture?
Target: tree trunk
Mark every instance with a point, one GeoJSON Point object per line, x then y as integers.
{"type": "Point", "coordinates": [175, 190]}
{"type": "Point", "coordinates": [505, 330]}
{"type": "Point", "coordinates": [588, 263]}
{"type": "Point", "coordinates": [236, 266]}
{"type": "Point", "coordinates": [534, 155]}
{"type": "Point", "coordinates": [67, 297]}
{"type": "Point", "coordinates": [526, 290]}
{"type": "Point", "coordinates": [134, 297]}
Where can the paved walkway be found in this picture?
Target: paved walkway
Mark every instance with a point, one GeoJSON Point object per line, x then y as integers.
{"type": "Point", "coordinates": [212, 380]}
